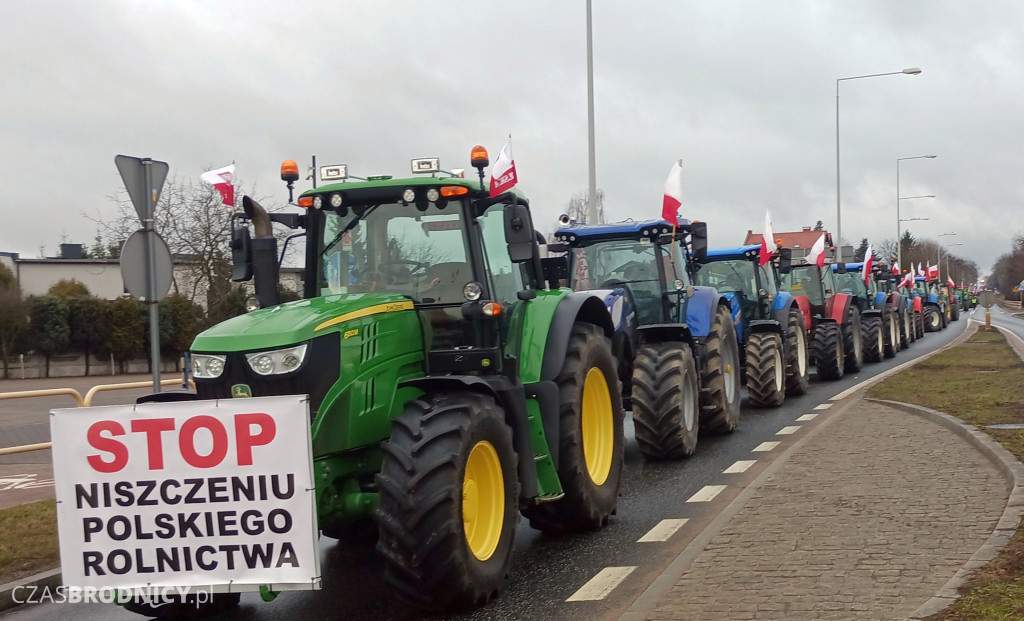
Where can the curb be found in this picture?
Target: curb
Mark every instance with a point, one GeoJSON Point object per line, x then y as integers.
{"type": "Point", "coordinates": [46, 580]}
{"type": "Point", "coordinates": [1012, 469]}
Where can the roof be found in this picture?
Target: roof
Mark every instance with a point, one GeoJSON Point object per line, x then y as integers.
{"type": "Point", "coordinates": [740, 252]}
{"type": "Point", "coordinates": [793, 239]}
{"type": "Point", "coordinates": [629, 229]}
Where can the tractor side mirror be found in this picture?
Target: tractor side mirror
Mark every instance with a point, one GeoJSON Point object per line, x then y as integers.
{"type": "Point", "coordinates": [241, 254]}
{"type": "Point", "coordinates": [699, 240]}
{"type": "Point", "coordinates": [519, 233]}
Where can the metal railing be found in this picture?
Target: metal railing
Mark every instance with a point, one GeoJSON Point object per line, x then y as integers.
{"type": "Point", "coordinates": [80, 401]}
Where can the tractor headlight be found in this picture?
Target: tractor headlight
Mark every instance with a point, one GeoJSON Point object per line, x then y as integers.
{"type": "Point", "coordinates": [277, 361]}
{"type": "Point", "coordinates": [433, 195]}
{"type": "Point", "coordinates": [408, 195]}
{"type": "Point", "coordinates": [472, 291]}
{"type": "Point", "coordinates": [318, 202]}
{"type": "Point", "coordinates": [207, 366]}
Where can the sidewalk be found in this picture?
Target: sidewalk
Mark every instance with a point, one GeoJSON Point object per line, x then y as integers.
{"type": "Point", "coordinates": [868, 517]}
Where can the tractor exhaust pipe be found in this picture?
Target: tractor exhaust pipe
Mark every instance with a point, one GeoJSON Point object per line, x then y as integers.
{"type": "Point", "coordinates": [264, 254]}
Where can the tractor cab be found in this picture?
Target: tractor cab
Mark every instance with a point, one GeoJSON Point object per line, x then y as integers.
{"type": "Point", "coordinates": [851, 281]}
{"type": "Point", "coordinates": [818, 284]}
{"type": "Point", "coordinates": [751, 288]}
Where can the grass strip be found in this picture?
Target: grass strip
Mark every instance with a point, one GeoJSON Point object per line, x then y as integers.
{"type": "Point", "coordinates": [28, 540]}
{"type": "Point", "coordinates": [982, 383]}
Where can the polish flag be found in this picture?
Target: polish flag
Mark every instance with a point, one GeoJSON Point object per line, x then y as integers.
{"type": "Point", "coordinates": [920, 271]}
{"type": "Point", "coordinates": [222, 180]}
{"type": "Point", "coordinates": [896, 268]}
{"type": "Point", "coordinates": [673, 194]}
{"type": "Point", "coordinates": [952, 285]}
{"type": "Point", "coordinates": [817, 253]}
{"type": "Point", "coordinates": [503, 173]}
{"type": "Point", "coordinates": [869, 261]}
{"type": "Point", "coordinates": [767, 240]}
{"type": "Point", "coordinates": [908, 279]}
{"type": "Point", "coordinates": [933, 272]}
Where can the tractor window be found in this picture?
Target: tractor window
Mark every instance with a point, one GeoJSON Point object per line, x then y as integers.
{"type": "Point", "coordinates": [674, 262]}
{"type": "Point", "coordinates": [395, 248]}
{"type": "Point", "coordinates": [506, 276]}
{"type": "Point", "coordinates": [768, 278]}
{"type": "Point", "coordinates": [621, 263]}
{"type": "Point", "coordinates": [804, 280]}
{"type": "Point", "coordinates": [729, 276]}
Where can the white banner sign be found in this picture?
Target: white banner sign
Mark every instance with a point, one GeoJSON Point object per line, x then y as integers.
{"type": "Point", "coordinates": [188, 493]}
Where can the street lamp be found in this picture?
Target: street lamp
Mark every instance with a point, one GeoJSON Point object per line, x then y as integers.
{"type": "Point", "coordinates": [938, 263]}
{"type": "Point", "coordinates": [899, 244]}
{"type": "Point", "coordinates": [947, 256]}
{"type": "Point", "coordinates": [839, 222]}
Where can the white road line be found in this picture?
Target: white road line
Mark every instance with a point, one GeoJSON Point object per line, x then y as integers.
{"type": "Point", "coordinates": [707, 493]}
{"type": "Point", "coordinates": [788, 431]}
{"type": "Point", "coordinates": [825, 406]}
{"type": "Point", "coordinates": [662, 531]}
{"type": "Point", "coordinates": [806, 417]}
{"type": "Point", "coordinates": [741, 466]}
{"type": "Point", "coordinates": [764, 447]}
{"type": "Point", "coordinates": [601, 585]}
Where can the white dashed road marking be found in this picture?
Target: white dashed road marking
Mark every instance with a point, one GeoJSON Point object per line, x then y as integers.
{"type": "Point", "coordinates": [823, 406]}
{"type": "Point", "coordinates": [663, 531]}
{"type": "Point", "coordinates": [764, 447]}
{"type": "Point", "coordinates": [786, 431]}
{"type": "Point", "coordinates": [602, 584]}
{"type": "Point", "coordinates": [806, 417]}
{"type": "Point", "coordinates": [741, 466]}
{"type": "Point", "coordinates": [707, 493]}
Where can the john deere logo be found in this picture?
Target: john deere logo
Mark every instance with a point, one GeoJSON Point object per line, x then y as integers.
{"type": "Point", "coordinates": [241, 390]}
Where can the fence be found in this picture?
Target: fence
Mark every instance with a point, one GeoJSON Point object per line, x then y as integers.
{"type": "Point", "coordinates": [33, 366]}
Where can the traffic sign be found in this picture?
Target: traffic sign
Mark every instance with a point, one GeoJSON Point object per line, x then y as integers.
{"type": "Point", "coordinates": [986, 299]}
{"type": "Point", "coordinates": [143, 178]}
{"type": "Point", "coordinates": [133, 265]}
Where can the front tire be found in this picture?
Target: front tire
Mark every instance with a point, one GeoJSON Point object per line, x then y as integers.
{"type": "Point", "coordinates": [449, 500]}
{"type": "Point", "coordinates": [828, 351]}
{"type": "Point", "coordinates": [720, 411]}
{"type": "Point", "coordinates": [874, 340]}
{"type": "Point", "coordinates": [766, 372]}
{"type": "Point", "coordinates": [853, 341]}
{"type": "Point", "coordinates": [919, 328]}
{"type": "Point", "coordinates": [890, 321]}
{"type": "Point", "coordinates": [933, 320]}
{"type": "Point", "coordinates": [798, 371]}
{"type": "Point", "coordinates": [666, 400]}
{"type": "Point", "coordinates": [591, 439]}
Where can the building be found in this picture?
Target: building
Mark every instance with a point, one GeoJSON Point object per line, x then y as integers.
{"type": "Point", "coordinates": [799, 241]}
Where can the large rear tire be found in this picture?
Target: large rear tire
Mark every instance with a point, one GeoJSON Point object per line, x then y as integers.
{"type": "Point", "coordinates": [666, 400]}
{"type": "Point", "coordinates": [874, 340]}
{"type": "Point", "coordinates": [590, 446]}
{"type": "Point", "coordinates": [828, 351]}
{"type": "Point", "coordinates": [766, 371]}
{"type": "Point", "coordinates": [919, 328]}
{"type": "Point", "coordinates": [720, 403]}
{"type": "Point", "coordinates": [853, 340]}
{"type": "Point", "coordinates": [798, 371]}
{"type": "Point", "coordinates": [449, 501]}
{"type": "Point", "coordinates": [955, 311]}
{"type": "Point", "coordinates": [933, 319]}
{"type": "Point", "coordinates": [890, 322]}
{"type": "Point", "coordinates": [906, 329]}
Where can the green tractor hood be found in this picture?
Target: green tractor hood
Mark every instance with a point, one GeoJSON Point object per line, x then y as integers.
{"type": "Point", "coordinates": [294, 322]}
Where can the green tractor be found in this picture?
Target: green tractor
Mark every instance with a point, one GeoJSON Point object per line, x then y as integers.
{"type": "Point", "coordinates": [451, 389]}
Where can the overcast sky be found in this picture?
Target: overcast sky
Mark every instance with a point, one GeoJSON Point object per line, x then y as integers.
{"type": "Point", "coordinates": [742, 91]}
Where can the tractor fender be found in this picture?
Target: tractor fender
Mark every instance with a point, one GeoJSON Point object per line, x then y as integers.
{"type": "Point", "coordinates": [734, 306]}
{"type": "Point", "coordinates": [765, 325]}
{"type": "Point", "coordinates": [804, 305]}
{"type": "Point", "coordinates": [836, 306]}
{"type": "Point", "coordinates": [512, 398]}
{"type": "Point", "coordinates": [579, 306]}
{"type": "Point", "coordinates": [917, 304]}
{"type": "Point", "coordinates": [897, 302]}
{"type": "Point", "coordinates": [701, 308]}
{"type": "Point", "coordinates": [871, 312]}
{"type": "Point", "coordinates": [661, 332]}
{"type": "Point", "coordinates": [933, 298]}
{"type": "Point", "coordinates": [880, 298]}
{"type": "Point", "coordinates": [783, 301]}
{"type": "Point", "coordinates": [620, 307]}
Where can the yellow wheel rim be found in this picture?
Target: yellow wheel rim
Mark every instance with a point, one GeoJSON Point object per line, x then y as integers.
{"type": "Point", "coordinates": [598, 426]}
{"type": "Point", "coordinates": [483, 501]}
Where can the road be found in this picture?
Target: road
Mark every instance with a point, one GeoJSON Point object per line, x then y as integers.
{"type": "Point", "coordinates": [546, 571]}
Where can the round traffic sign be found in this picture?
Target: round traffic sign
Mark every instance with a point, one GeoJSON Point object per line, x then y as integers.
{"type": "Point", "coordinates": [135, 269]}
{"type": "Point", "coordinates": [987, 299]}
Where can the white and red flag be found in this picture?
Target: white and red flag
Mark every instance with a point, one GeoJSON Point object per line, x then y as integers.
{"type": "Point", "coordinates": [816, 254]}
{"type": "Point", "coordinates": [503, 173]}
{"type": "Point", "coordinates": [920, 270]}
{"type": "Point", "coordinates": [222, 179]}
{"type": "Point", "coordinates": [869, 262]}
{"type": "Point", "coordinates": [933, 272]}
{"type": "Point", "coordinates": [908, 279]}
{"type": "Point", "coordinates": [767, 240]}
{"type": "Point", "coordinates": [952, 285]}
{"type": "Point", "coordinates": [673, 194]}
{"type": "Point", "coordinates": [896, 268]}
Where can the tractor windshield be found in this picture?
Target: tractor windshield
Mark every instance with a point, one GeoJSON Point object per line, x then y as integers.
{"type": "Point", "coordinates": [395, 248]}
{"type": "Point", "coordinates": [804, 280]}
{"type": "Point", "coordinates": [628, 263]}
{"type": "Point", "coordinates": [735, 275]}
{"type": "Point", "coordinates": [851, 282]}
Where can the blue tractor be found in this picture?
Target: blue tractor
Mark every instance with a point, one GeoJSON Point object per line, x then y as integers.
{"type": "Point", "coordinates": [879, 319]}
{"type": "Point", "coordinates": [770, 325]}
{"type": "Point", "coordinates": [933, 305]}
{"type": "Point", "coordinates": [676, 342]}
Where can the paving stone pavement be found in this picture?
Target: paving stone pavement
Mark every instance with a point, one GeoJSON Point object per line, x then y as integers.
{"type": "Point", "coordinates": [866, 520]}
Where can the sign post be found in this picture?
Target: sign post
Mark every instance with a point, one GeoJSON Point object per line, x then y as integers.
{"type": "Point", "coordinates": [144, 178]}
{"type": "Point", "coordinates": [988, 300]}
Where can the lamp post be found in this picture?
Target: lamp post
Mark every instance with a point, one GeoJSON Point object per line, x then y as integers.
{"type": "Point", "coordinates": [947, 256]}
{"type": "Point", "coordinates": [938, 262]}
{"type": "Point", "coordinates": [839, 222]}
{"type": "Point", "coordinates": [592, 187]}
{"type": "Point", "coordinates": [899, 243]}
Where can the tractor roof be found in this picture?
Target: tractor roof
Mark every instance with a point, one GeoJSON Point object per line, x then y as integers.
{"type": "Point", "coordinates": [740, 252]}
{"type": "Point", "coordinates": [386, 180]}
{"type": "Point", "coordinates": [582, 234]}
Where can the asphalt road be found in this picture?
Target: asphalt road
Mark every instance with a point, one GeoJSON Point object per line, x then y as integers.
{"type": "Point", "coordinates": [546, 571]}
